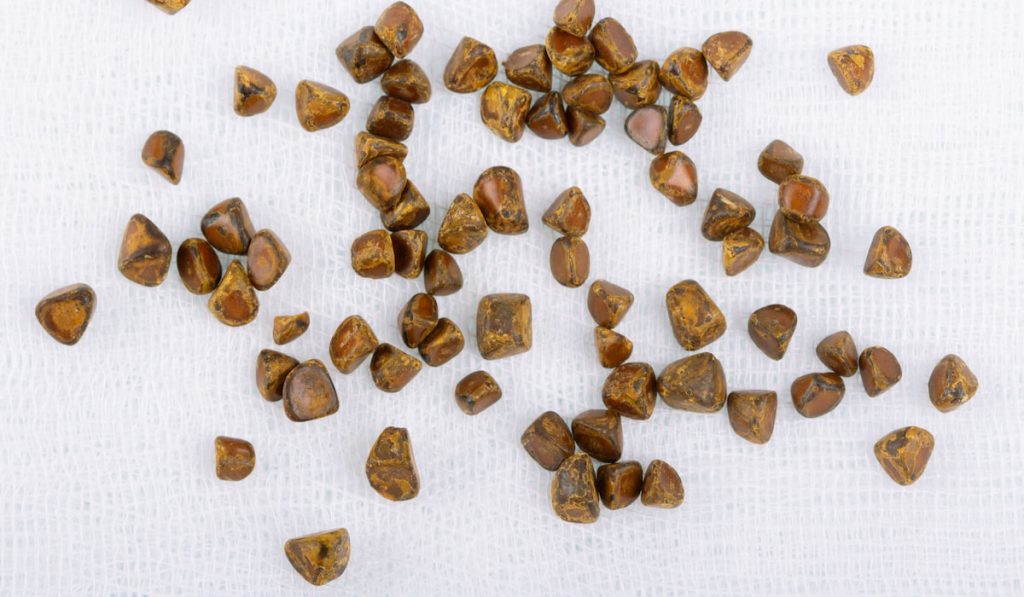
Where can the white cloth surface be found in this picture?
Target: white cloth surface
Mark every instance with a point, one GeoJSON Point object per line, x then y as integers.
{"type": "Point", "coordinates": [106, 456]}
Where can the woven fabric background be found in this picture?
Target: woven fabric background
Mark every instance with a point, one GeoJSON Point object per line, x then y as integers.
{"type": "Point", "coordinates": [106, 451]}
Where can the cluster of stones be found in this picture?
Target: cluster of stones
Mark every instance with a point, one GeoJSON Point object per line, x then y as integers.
{"type": "Point", "coordinates": [569, 215]}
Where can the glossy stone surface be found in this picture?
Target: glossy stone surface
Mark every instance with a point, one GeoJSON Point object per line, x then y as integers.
{"type": "Point", "coordinates": [170, 7]}
{"type": "Point", "coordinates": [853, 68]}
{"type": "Point", "coordinates": [839, 353]}
{"type": "Point", "coordinates": [373, 255]}
{"type": "Point", "coordinates": [752, 414]}
{"type": "Point", "coordinates": [443, 343]}
{"type": "Point", "coordinates": [574, 496]}
{"type": "Point", "coordinates": [696, 319]}
{"type": "Point", "coordinates": [574, 16]}
{"type": "Point", "coordinates": [463, 227]}
{"type": "Point", "coordinates": [569, 213]}
{"type": "Point", "coordinates": [503, 110]}
{"type": "Point", "coordinates": [726, 52]}
{"type": "Point", "coordinates": [584, 127]}
{"type": "Point", "coordinates": [234, 458]}
{"type": "Point", "coordinates": [684, 119]}
{"type": "Point", "coordinates": [638, 85]}
{"type": "Point", "coordinates": [804, 244]}
{"type": "Point", "coordinates": [598, 432]}
{"type": "Point", "coordinates": [904, 453]}
{"type": "Point", "coordinates": [951, 384]}
{"type": "Point", "coordinates": [145, 255]}
{"type": "Point", "coordinates": [471, 67]}
{"type": "Point", "coordinates": [503, 325]}
{"type": "Point", "coordinates": [619, 483]}
{"type": "Point", "coordinates": [267, 259]}
{"type": "Point", "coordinates": [889, 255]}
{"type": "Point", "coordinates": [441, 274]}
{"type": "Point", "coordinates": [228, 228]}
{"type": "Point", "coordinates": [590, 92]}
{"type": "Point", "coordinates": [364, 55]}
{"type": "Point", "coordinates": [351, 343]}
{"type": "Point", "coordinates": [406, 81]}
{"type": "Point", "coordinates": [726, 212]}
{"type": "Point", "coordinates": [391, 467]}
{"type": "Point", "coordinates": [547, 117]}
{"type": "Point", "coordinates": [254, 91]}
{"type": "Point", "coordinates": [695, 383]}
{"type": "Point", "coordinates": [391, 118]}
{"type": "Point", "coordinates": [417, 319]}
{"type": "Point", "coordinates": [392, 369]}
{"type": "Point", "coordinates": [674, 175]}
{"type": "Point", "coordinates": [309, 392]}
{"type": "Point", "coordinates": [570, 54]}
{"type": "Point", "coordinates": [165, 153]}
{"type": "Point", "coordinates": [614, 48]}
{"type": "Point", "coordinates": [369, 146]}
{"type": "Point", "coordinates": [685, 72]}
{"type": "Point", "coordinates": [198, 266]}
{"type": "Point", "coordinates": [410, 248]}
{"type": "Point", "coordinates": [631, 390]}
{"type": "Point", "coordinates": [272, 368]}
{"type": "Point", "coordinates": [382, 181]}
{"type": "Point", "coordinates": [548, 440]}
{"type": "Point", "coordinates": [608, 303]}
{"type": "Point", "coordinates": [816, 394]}
{"type": "Point", "coordinates": [662, 486]}
{"type": "Point", "coordinates": [648, 128]}
{"type": "Point", "coordinates": [499, 193]}
{"type": "Point", "coordinates": [65, 313]}
{"type": "Point", "coordinates": [321, 557]}
{"type": "Point", "coordinates": [408, 212]}
{"type": "Point", "coordinates": [289, 327]}
{"type": "Point", "coordinates": [613, 349]}
{"type": "Point", "coordinates": [740, 250]}
{"type": "Point", "coordinates": [319, 106]}
{"type": "Point", "coordinates": [803, 199]}
{"type": "Point", "coordinates": [778, 161]}
{"type": "Point", "coordinates": [570, 261]}
{"type": "Point", "coordinates": [771, 328]}
{"type": "Point", "coordinates": [529, 67]}
{"type": "Point", "coordinates": [477, 392]}
{"type": "Point", "coordinates": [879, 370]}
{"type": "Point", "coordinates": [399, 29]}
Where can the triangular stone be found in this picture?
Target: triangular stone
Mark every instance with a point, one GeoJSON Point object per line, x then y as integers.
{"type": "Point", "coordinates": [65, 312]}
{"type": "Point", "coordinates": [648, 128]}
{"type": "Point", "coordinates": [853, 67]}
{"type": "Point", "coordinates": [234, 302]}
{"type": "Point", "coordinates": [771, 328]}
{"type": "Point", "coordinates": [574, 496]}
{"type": "Point", "coordinates": [904, 453]}
{"type": "Point", "coordinates": [889, 255]}
{"type": "Point", "coordinates": [145, 255]}
{"type": "Point", "coordinates": [569, 214]}
{"type": "Point", "coordinates": [726, 52]}
{"type": "Point", "coordinates": [321, 557]}
{"type": "Point", "coordinates": [254, 91]}
{"type": "Point", "coordinates": [613, 348]}
{"type": "Point", "coordinates": [165, 153]}
{"type": "Point", "coordinates": [391, 468]}
{"type": "Point", "coordinates": [608, 303]}
{"type": "Point", "coordinates": [319, 106]}
{"type": "Point", "coordinates": [463, 227]}
{"type": "Point", "coordinates": [309, 392]}
{"type": "Point", "coordinates": [228, 228]}
{"type": "Point", "coordinates": [598, 432]}
{"type": "Point", "coordinates": [662, 486]}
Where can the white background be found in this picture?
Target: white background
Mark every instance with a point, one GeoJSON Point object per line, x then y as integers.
{"type": "Point", "coordinates": [106, 450]}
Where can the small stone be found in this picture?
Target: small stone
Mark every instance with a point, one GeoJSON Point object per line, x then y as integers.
{"type": "Point", "coordinates": [816, 394]}
{"type": "Point", "coordinates": [371, 146]}
{"type": "Point", "coordinates": [373, 255]}
{"type": "Point", "coordinates": [951, 384]}
{"type": "Point", "coordinates": [574, 16]}
{"type": "Point", "coordinates": [662, 486]}
{"type": "Point", "coordinates": [838, 352]}
{"type": "Point", "coordinates": [740, 249]}
{"type": "Point", "coordinates": [472, 66]}
{"type": "Point", "coordinates": [879, 370]}
{"type": "Point", "coordinates": [254, 91]}
{"type": "Point", "coordinates": [477, 392]}
{"type": "Point", "coordinates": [674, 175]}
{"type": "Point", "coordinates": [290, 327]}
{"type": "Point", "coordinates": [569, 214]}
{"type": "Point", "coordinates": [570, 54]}
{"type": "Point", "coordinates": [406, 81]}
{"type": "Point", "coordinates": [889, 255]}
{"type": "Point", "coordinates": [351, 343]}
{"type": "Point", "coordinates": [408, 212]}
{"type": "Point", "coordinates": [319, 106]}
{"type": "Point", "coordinates": [631, 391]}
{"type": "Point", "coordinates": [574, 496]}
{"type": "Point", "coordinates": [529, 67]}
{"type": "Point", "coordinates": [619, 483]}
{"type": "Point", "coordinates": [548, 440]}
{"type": "Point", "coordinates": [805, 244]}
{"type": "Point", "coordinates": [499, 193]}
{"type": "Point", "coordinates": [685, 73]}
{"type": "Point", "coordinates": [364, 55]}
{"type": "Point", "coordinates": [145, 255]}
{"type": "Point", "coordinates": [771, 328]}
{"type": "Point", "coordinates": [417, 319]}
{"type": "Point", "coordinates": [443, 344]}
{"type": "Point", "coordinates": [853, 67]}
{"type": "Point", "coordinates": [547, 117]}
{"type": "Point", "coordinates": [726, 212]}
{"type": "Point", "coordinates": [695, 383]}
{"type": "Point", "coordinates": [382, 181]}
{"type": "Point", "coordinates": [778, 161]}
{"type": "Point", "coordinates": [503, 325]}
{"type": "Point", "coordinates": [170, 7]}
{"type": "Point", "coordinates": [392, 369]}
{"type": "Point", "coordinates": [392, 118]}
{"type": "Point", "coordinates": [272, 368]}
{"type": "Point", "coordinates": [726, 52]}
{"type": "Point", "coordinates": [391, 467]}
{"type": "Point", "coordinates": [463, 228]}
{"type": "Point", "coordinates": [235, 458]}
{"type": "Point", "coordinates": [584, 127]}
{"type": "Point", "coordinates": [570, 261]}
{"type": "Point", "coordinates": [638, 85]}
{"type": "Point", "coordinates": [684, 119]}
{"type": "Point", "coordinates": [198, 266]}
{"type": "Point", "coordinates": [590, 92]}
{"type": "Point", "coordinates": [696, 319]}
{"type": "Point", "coordinates": [752, 414]}
{"type": "Point", "coordinates": [648, 128]}
{"type": "Point", "coordinates": [803, 199]}
{"type": "Point", "coordinates": [267, 260]}
{"type": "Point", "coordinates": [321, 557]}
{"type": "Point", "coordinates": [165, 153]}
{"type": "Point", "coordinates": [309, 392]}
{"type": "Point", "coordinates": [613, 349]}
{"type": "Point", "coordinates": [598, 432]}
{"type": "Point", "coordinates": [441, 274]}
{"type": "Point", "coordinates": [228, 228]}
{"type": "Point", "coordinates": [904, 453]}
{"type": "Point", "coordinates": [503, 110]}
{"type": "Point", "coordinates": [410, 248]}
{"type": "Point", "coordinates": [614, 48]}
{"type": "Point", "coordinates": [399, 29]}
{"type": "Point", "coordinates": [65, 312]}
{"type": "Point", "coordinates": [608, 303]}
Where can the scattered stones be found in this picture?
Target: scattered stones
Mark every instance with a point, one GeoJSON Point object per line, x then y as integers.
{"type": "Point", "coordinates": [382, 180]}
{"type": "Point", "coordinates": [408, 212]}
{"type": "Point", "coordinates": [574, 16]}
{"type": "Point", "coordinates": [369, 146]}
{"type": "Point", "coordinates": [584, 127]}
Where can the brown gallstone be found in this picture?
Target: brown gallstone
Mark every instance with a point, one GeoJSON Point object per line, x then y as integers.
{"type": "Point", "coordinates": [879, 370]}
{"type": "Point", "coordinates": [309, 392]}
{"type": "Point", "coordinates": [547, 117]}
{"type": "Point", "coordinates": [319, 106]}
{"type": "Point", "coordinates": [685, 73]}
{"type": "Point", "coordinates": [382, 181]}
{"type": "Point", "coordinates": [598, 432]}
{"type": "Point", "coordinates": [574, 496]}
{"type": "Point", "coordinates": [752, 414]}
{"type": "Point", "coordinates": [529, 67]}
{"type": "Point", "coordinates": [816, 394]}
{"type": "Point", "coordinates": [290, 327]}
{"type": "Point", "coordinates": [839, 353]}
{"type": "Point", "coordinates": [904, 453]}
{"type": "Point", "coordinates": [392, 369]}
{"type": "Point", "coordinates": [674, 175]}
{"type": "Point", "coordinates": [590, 92]}
{"type": "Point", "coordinates": [234, 458]}
{"type": "Point", "coordinates": [272, 368]}
{"type": "Point", "coordinates": [408, 212]}
{"type": "Point", "coordinates": [170, 7]}
{"type": "Point", "coordinates": [499, 193]}
{"type": "Point", "coordinates": [417, 319]}
{"type": "Point", "coordinates": [471, 67]}
{"type": "Point", "coordinates": [726, 212]}
{"type": "Point", "coordinates": [778, 161]}
{"type": "Point", "coordinates": [463, 227]}
{"type": "Point", "coordinates": [853, 68]}
{"type": "Point", "coordinates": [65, 313]}
{"type": "Point", "coordinates": [234, 302]}
{"type": "Point", "coordinates": [410, 247]}
{"type": "Point", "coordinates": [638, 85]}
{"type": "Point", "coordinates": [889, 255]}
{"type": "Point", "coordinates": [740, 250]}
{"type": "Point", "coordinates": [570, 261]}
{"type": "Point", "coordinates": [254, 91]}
{"type": "Point", "coordinates": [369, 146]}
{"type": "Point", "coordinates": [267, 259]}
{"type": "Point", "coordinates": [477, 392]}
{"type": "Point", "coordinates": [574, 16]}
{"type": "Point", "coordinates": [648, 128]}
{"type": "Point", "coordinates": [614, 48]}
{"type": "Point", "coordinates": [406, 81]}
{"type": "Point", "coordinates": [684, 120]}
{"type": "Point", "coordinates": [399, 29]}
{"type": "Point", "coordinates": [803, 198]}
{"type": "Point", "coordinates": [504, 325]}
{"type": "Point", "coordinates": [373, 255]}
{"type": "Point", "coordinates": [613, 348]}
{"type": "Point", "coordinates": [351, 343]}
{"type": "Point", "coordinates": [695, 383]}
{"type": "Point", "coordinates": [619, 483]}
{"type": "Point", "coordinates": [726, 52]}
{"type": "Point", "coordinates": [321, 557]}
{"type": "Point", "coordinates": [391, 118]}
{"type": "Point", "coordinates": [569, 213]}
{"type": "Point", "coordinates": [951, 384]}
{"type": "Point", "coordinates": [608, 303]}
{"type": "Point", "coordinates": [228, 228]}
{"type": "Point", "coordinates": [441, 274]}
{"type": "Point", "coordinates": [771, 328]}
{"type": "Point", "coordinates": [630, 390]}
{"type": "Point", "coordinates": [198, 266]}
{"type": "Point", "coordinates": [503, 110]}
{"type": "Point", "coordinates": [570, 54]}
{"type": "Point", "coordinates": [443, 343]}
{"type": "Point", "coordinates": [805, 244]}
{"type": "Point", "coordinates": [165, 153]}
{"type": "Point", "coordinates": [584, 127]}
{"type": "Point", "coordinates": [696, 319]}
{"type": "Point", "coordinates": [662, 486]}
{"type": "Point", "coordinates": [145, 255]}
{"type": "Point", "coordinates": [548, 440]}
{"type": "Point", "coordinates": [391, 467]}
{"type": "Point", "coordinates": [363, 55]}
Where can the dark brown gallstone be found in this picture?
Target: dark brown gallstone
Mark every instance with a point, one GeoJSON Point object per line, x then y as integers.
{"type": "Point", "coordinates": [684, 119]}
{"type": "Point", "coordinates": [752, 414]}
{"type": "Point", "coordinates": [569, 213]}
{"type": "Point", "coordinates": [234, 458]}
{"type": "Point", "coordinates": [267, 259]}
{"type": "Point", "coordinates": [442, 344]}
{"type": "Point", "coordinates": [65, 313]}
{"type": "Point", "coordinates": [889, 255]}
{"type": "Point", "coordinates": [319, 106]}
{"type": "Point", "coordinates": [685, 72]}
{"type": "Point", "coordinates": [570, 54]}
{"type": "Point", "coordinates": [321, 557]}
{"type": "Point", "coordinates": [662, 486]}
{"type": "Point", "coordinates": [590, 92]}
{"type": "Point", "coordinates": [272, 368]}
{"type": "Point", "coordinates": [529, 67]}
{"type": "Point", "coordinates": [254, 91]}
{"type": "Point", "coordinates": [406, 81]}
{"type": "Point", "coordinates": [598, 432]}
{"type": "Point", "coordinates": [619, 483]}
{"type": "Point", "coordinates": [904, 453]}
{"type": "Point", "coordinates": [771, 328]}
{"type": "Point", "coordinates": [608, 303]}
{"type": "Point", "coordinates": [503, 109]}
{"type": "Point", "coordinates": [879, 370]}
{"type": "Point", "coordinates": [165, 153]}
{"type": "Point", "coordinates": [382, 181]}
{"type": "Point", "coordinates": [631, 390]}
{"type": "Point", "coordinates": [614, 48]}
{"type": "Point", "coordinates": [198, 266]}
{"type": "Point", "coordinates": [638, 85]}
{"type": "Point", "coordinates": [463, 227]}
{"type": "Point", "coordinates": [803, 198]}
{"type": "Point", "coordinates": [740, 250]}
{"type": "Point", "coordinates": [696, 319]}
{"type": "Point", "coordinates": [471, 67]}
{"type": "Point", "coordinates": [441, 274]}
{"type": "Point", "coordinates": [816, 394]}
{"type": "Point", "coordinates": [364, 56]}
{"type": "Point", "coordinates": [289, 327]}
{"type": "Point", "coordinates": [570, 261]}
{"type": "Point", "coordinates": [726, 212]}
{"type": "Point", "coordinates": [839, 353]}
{"type": "Point", "coordinates": [392, 369]}
{"type": "Point", "coordinates": [477, 392]}
{"type": "Point", "coordinates": [674, 175]}
{"type": "Point", "coordinates": [417, 319]}
{"type": "Point", "coordinates": [228, 228]}
{"type": "Point", "coordinates": [805, 244]}
{"type": "Point", "coordinates": [399, 29]}
{"type": "Point", "coordinates": [778, 161]}
{"type": "Point", "coordinates": [369, 146]}
{"type": "Point", "coordinates": [373, 255]}
{"type": "Point", "coordinates": [613, 349]}
{"type": "Point", "coordinates": [234, 301]}
{"type": "Point", "coordinates": [408, 212]}
{"type": "Point", "coordinates": [726, 52]}
{"type": "Point", "coordinates": [574, 496]}
{"type": "Point", "coordinates": [504, 325]}
{"type": "Point", "coordinates": [410, 248]}
{"type": "Point", "coordinates": [547, 117]}
{"type": "Point", "coordinates": [548, 440]}
{"type": "Point", "coordinates": [584, 127]}
{"type": "Point", "coordinates": [309, 392]}
{"type": "Point", "coordinates": [351, 343]}
{"type": "Point", "coordinates": [145, 255]}
{"type": "Point", "coordinates": [951, 384]}
{"type": "Point", "coordinates": [391, 467]}
{"type": "Point", "coordinates": [695, 383]}
{"type": "Point", "coordinates": [574, 16]}
{"type": "Point", "coordinates": [499, 193]}
{"type": "Point", "coordinates": [391, 118]}
{"type": "Point", "coordinates": [648, 128]}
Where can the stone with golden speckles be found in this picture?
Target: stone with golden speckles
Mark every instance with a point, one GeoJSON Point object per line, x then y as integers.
{"type": "Point", "coordinates": [321, 557]}
{"type": "Point", "coordinates": [290, 327]}
{"type": "Point", "coordinates": [254, 91]}
{"type": "Point", "coordinates": [853, 68]}
{"type": "Point", "coordinates": [65, 313]}
{"type": "Point", "coordinates": [574, 496]}
{"type": "Point", "coordinates": [951, 384]}
{"type": "Point", "coordinates": [165, 152]}
{"type": "Point", "coordinates": [234, 302]}
{"type": "Point", "coordinates": [145, 255]}
{"type": "Point", "coordinates": [904, 453]}
{"type": "Point", "coordinates": [391, 467]}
